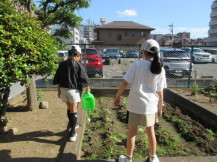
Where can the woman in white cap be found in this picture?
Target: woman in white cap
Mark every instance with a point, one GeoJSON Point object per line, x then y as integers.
{"type": "Point", "coordinates": [145, 100]}
{"type": "Point", "coordinates": [70, 78]}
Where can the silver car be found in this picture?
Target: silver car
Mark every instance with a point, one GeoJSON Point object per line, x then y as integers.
{"type": "Point", "coordinates": [175, 61]}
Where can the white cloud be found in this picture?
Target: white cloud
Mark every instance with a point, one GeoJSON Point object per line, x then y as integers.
{"type": "Point", "coordinates": [195, 32]}
{"type": "Point", "coordinates": [127, 13]}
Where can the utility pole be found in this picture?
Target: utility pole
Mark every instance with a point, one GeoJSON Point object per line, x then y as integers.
{"type": "Point", "coordinates": [171, 30]}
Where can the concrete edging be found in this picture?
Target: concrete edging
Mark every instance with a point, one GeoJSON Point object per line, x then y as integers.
{"type": "Point", "coordinates": [195, 110]}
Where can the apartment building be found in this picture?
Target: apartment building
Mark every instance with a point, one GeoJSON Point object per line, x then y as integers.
{"type": "Point", "coordinates": [212, 38]}
{"type": "Point", "coordinates": [74, 31]}
{"type": "Point", "coordinates": [122, 32]}
{"type": "Point", "coordinates": [87, 33]}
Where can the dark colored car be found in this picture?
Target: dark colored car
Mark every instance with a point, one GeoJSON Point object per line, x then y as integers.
{"type": "Point", "coordinates": [132, 54]}
{"type": "Point", "coordinates": [93, 62]}
{"type": "Point", "coordinates": [111, 53]}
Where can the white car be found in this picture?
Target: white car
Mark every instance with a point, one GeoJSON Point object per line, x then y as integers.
{"type": "Point", "coordinates": [199, 56]}
{"type": "Point", "coordinates": [63, 55]}
{"type": "Point", "coordinates": [175, 61]}
{"type": "Point", "coordinates": [213, 53]}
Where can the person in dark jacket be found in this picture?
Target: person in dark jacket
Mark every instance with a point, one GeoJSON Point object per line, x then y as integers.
{"type": "Point", "coordinates": [70, 79]}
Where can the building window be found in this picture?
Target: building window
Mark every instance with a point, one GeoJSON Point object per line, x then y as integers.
{"type": "Point", "coordinates": [126, 33]}
{"type": "Point", "coordinates": [133, 34]}
{"type": "Point", "coordinates": [110, 34]}
{"type": "Point", "coordinates": [119, 37]}
{"type": "Point", "coordinates": [143, 34]}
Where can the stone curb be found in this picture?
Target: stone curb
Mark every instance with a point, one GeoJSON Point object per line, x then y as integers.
{"type": "Point", "coordinates": [195, 110]}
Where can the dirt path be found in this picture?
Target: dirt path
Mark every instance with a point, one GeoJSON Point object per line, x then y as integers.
{"type": "Point", "coordinates": [40, 134]}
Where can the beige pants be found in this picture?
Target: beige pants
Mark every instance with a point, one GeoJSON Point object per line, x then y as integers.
{"type": "Point", "coordinates": [140, 119]}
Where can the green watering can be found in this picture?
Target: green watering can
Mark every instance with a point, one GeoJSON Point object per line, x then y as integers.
{"type": "Point", "coordinates": [88, 103]}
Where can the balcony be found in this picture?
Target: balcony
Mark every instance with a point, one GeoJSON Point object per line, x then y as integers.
{"type": "Point", "coordinates": [211, 40]}
{"type": "Point", "coordinates": [212, 31]}
{"type": "Point", "coordinates": [214, 5]}
{"type": "Point", "coordinates": [214, 22]}
{"type": "Point", "coordinates": [213, 14]}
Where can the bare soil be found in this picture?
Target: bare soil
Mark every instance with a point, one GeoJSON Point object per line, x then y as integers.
{"type": "Point", "coordinates": [40, 134]}
{"type": "Point", "coordinates": [177, 133]}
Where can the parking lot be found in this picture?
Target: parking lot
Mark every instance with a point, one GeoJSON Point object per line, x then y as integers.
{"type": "Point", "coordinates": [206, 69]}
{"type": "Point", "coordinates": [115, 70]}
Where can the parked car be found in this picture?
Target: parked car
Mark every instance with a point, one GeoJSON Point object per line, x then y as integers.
{"type": "Point", "coordinates": [111, 53]}
{"type": "Point", "coordinates": [63, 55]}
{"type": "Point", "coordinates": [122, 53]}
{"type": "Point", "coordinates": [199, 56]}
{"type": "Point", "coordinates": [213, 53]}
{"type": "Point", "coordinates": [132, 54]}
{"type": "Point", "coordinates": [175, 61]}
{"type": "Point", "coordinates": [93, 62]}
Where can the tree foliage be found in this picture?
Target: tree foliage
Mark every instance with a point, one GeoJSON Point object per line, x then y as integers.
{"type": "Point", "coordinates": [60, 12]}
{"type": "Point", "coordinates": [25, 49]}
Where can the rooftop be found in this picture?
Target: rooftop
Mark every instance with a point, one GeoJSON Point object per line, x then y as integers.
{"type": "Point", "coordinates": [124, 25]}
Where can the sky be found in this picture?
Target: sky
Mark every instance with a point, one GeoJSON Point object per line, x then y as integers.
{"type": "Point", "coordinates": [186, 15]}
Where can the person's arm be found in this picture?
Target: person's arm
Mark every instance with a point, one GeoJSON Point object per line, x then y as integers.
{"type": "Point", "coordinates": [124, 84]}
{"type": "Point", "coordinates": [160, 103]}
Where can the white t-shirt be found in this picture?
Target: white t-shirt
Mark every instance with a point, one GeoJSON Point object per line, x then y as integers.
{"type": "Point", "coordinates": [143, 98]}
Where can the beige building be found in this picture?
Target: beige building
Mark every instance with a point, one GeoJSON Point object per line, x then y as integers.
{"type": "Point", "coordinates": [122, 33]}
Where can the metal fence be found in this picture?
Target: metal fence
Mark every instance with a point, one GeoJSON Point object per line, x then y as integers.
{"type": "Point", "coordinates": [184, 66]}
{"type": "Point", "coordinates": [107, 64]}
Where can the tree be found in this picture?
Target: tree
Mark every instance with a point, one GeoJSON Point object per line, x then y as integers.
{"type": "Point", "coordinates": [60, 12]}
{"type": "Point", "coordinates": [25, 50]}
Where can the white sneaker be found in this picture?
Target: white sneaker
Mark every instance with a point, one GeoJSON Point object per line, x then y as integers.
{"type": "Point", "coordinates": [73, 137]}
{"type": "Point", "coordinates": [123, 158]}
{"type": "Point", "coordinates": [154, 159]}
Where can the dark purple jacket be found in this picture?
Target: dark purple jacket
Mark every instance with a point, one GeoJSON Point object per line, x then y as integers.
{"type": "Point", "coordinates": [71, 76]}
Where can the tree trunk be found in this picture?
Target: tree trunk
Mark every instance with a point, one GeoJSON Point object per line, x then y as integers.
{"type": "Point", "coordinates": [32, 95]}
{"type": "Point", "coordinates": [4, 95]}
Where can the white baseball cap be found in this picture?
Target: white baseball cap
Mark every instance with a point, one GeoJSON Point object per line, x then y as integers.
{"type": "Point", "coordinates": [148, 44]}
{"type": "Point", "coordinates": [77, 48]}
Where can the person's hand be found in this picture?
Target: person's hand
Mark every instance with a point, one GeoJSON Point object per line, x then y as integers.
{"type": "Point", "coordinates": [159, 113]}
{"type": "Point", "coordinates": [88, 89]}
{"type": "Point", "coordinates": [160, 110]}
{"type": "Point", "coordinates": [117, 101]}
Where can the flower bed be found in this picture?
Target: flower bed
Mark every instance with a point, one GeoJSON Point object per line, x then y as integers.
{"type": "Point", "coordinates": [177, 134]}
